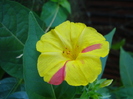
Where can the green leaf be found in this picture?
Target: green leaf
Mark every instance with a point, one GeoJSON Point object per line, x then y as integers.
{"type": "Point", "coordinates": [64, 91]}
{"type": "Point", "coordinates": [19, 95]}
{"type": "Point", "coordinates": [66, 5]}
{"type": "Point", "coordinates": [35, 86]}
{"type": "Point", "coordinates": [14, 29]}
{"type": "Point", "coordinates": [14, 32]}
{"type": "Point", "coordinates": [129, 92]}
{"type": "Point", "coordinates": [126, 68]}
{"type": "Point", "coordinates": [105, 94]}
{"type": "Point", "coordinates": [124, 93]}
{"type": "Point", "coordinates": [106, 83]}
{"type": "Point", "coordinates": [6, 85]}
{"type": "Point", "coordinates": [53, 14]}
{"type": "Point", "coordinates": [109, 38]}
{"type": "Point", "coordinates": [117, 45]}
{"type": "Point", "coordinates": [84, 95]}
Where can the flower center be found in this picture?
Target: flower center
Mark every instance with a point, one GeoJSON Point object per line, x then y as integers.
{"type": "Point", "coordinates": [71, 54]}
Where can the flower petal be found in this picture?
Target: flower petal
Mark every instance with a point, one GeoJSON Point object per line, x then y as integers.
{"type": "Point", "coordinates": [50, 63]}
{"type": "Point", "coordinates": [76, 30]}
{"type": "Point", "coordinates": [69, 32]}
{"type": "Point", "coordinates": [49, 43]}
{"type": "Point", "coordinates": [59, 76]}
{"type": "Point", "coordinates": [91, 48]}
{"type": "Point", "coordinates": [83, 70]}
{"type": "Point", "coordinates": [94, 42]}
{"type": "Point", "coordinates": [99, 49]}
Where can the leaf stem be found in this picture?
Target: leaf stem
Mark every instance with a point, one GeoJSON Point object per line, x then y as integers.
{"type": "Point", "coordinates": [53, 92]}
{"type": "Point", "coordinates": [14, 88]}
{"type": "Point", "coordinates": [13, 35]}
{"type": "Point", "coordinates": [57, 9]}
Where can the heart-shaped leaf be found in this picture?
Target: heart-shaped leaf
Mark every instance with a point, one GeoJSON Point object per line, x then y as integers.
{"type": "Point", "coordinates": [35, 86]}
{"type": "Point", "coordinates": [14, 29]}
{"type": "Point", "coordinates": [53, 14]}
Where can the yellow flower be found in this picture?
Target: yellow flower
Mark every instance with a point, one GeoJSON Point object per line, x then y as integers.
{"type": "Point", "coordinates": [71, 52]}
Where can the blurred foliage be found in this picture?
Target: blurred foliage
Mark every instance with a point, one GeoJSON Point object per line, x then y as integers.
{"type": "Point", "coordinates": [117, 45]}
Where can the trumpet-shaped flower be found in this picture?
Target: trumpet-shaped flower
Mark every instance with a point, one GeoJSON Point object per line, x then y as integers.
{"type": "Point", "coordinates": [71, 52]}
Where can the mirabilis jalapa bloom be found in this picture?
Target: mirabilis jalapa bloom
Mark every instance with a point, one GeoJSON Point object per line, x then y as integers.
{"type": "Point", "coordinates": [71, 52]}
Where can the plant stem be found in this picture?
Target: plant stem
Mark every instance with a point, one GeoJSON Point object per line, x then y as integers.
{"type": "Point", "coordinates": [57, 9]}
{"type": "Point", "coordinates": [53, 92]}
{"type": "Point", "coordinates": [14, 88]}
